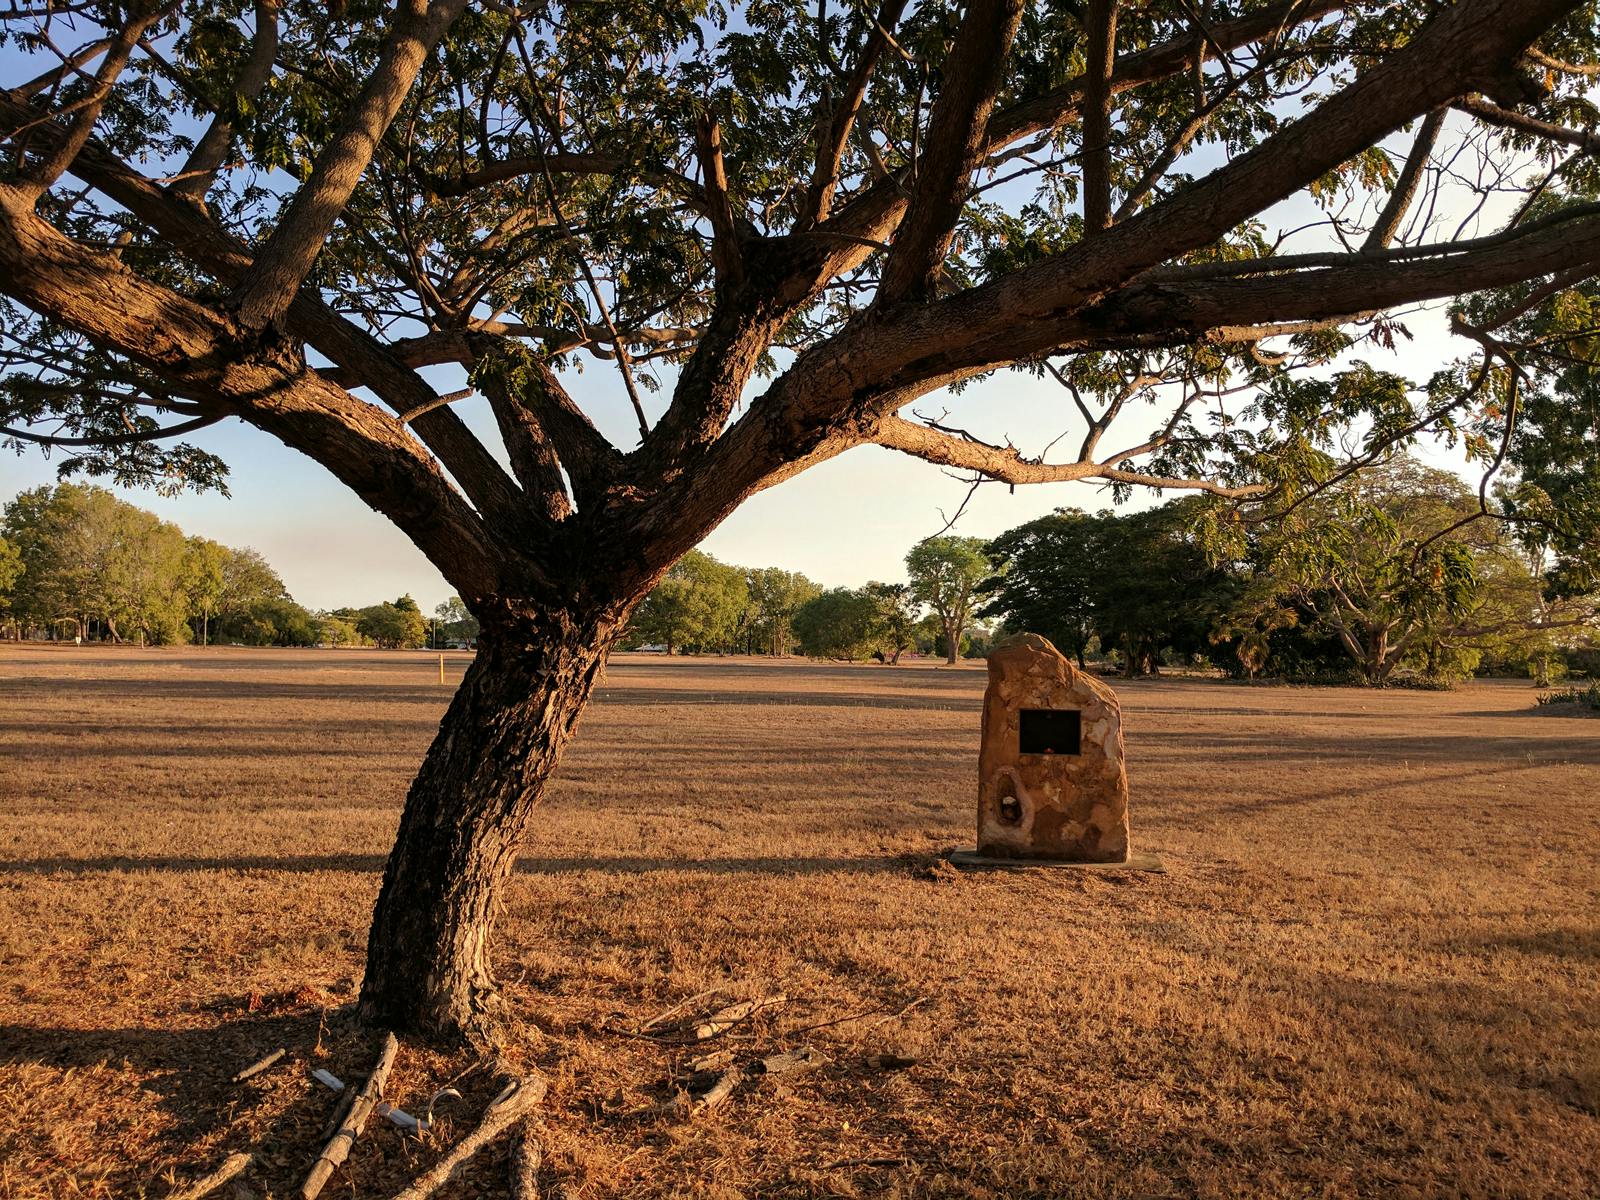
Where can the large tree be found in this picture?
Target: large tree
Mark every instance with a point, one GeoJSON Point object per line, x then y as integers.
{"type": "Point", "coordinates": [945, 573]}
{"type": "Point", "coordinates": [796, 221]}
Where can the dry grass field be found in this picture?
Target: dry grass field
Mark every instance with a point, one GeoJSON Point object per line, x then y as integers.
{"type": "Point", "coordinates": [1372, 968]}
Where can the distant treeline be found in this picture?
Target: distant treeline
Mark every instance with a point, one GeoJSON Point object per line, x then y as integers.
{"type": "Point", "coordinates": [704, 605]}
{"type": "Point", "coordinates": [76, 562]}
{"type": "Point", "coordinates": [1393, 573]}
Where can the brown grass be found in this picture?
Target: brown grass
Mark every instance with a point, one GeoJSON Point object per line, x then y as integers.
{"type": "Point", "coordinates": [1372, 968]}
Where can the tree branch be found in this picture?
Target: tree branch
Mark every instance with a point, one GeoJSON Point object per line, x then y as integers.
{"type": "Point", "coordinates": [1006, 464]}
{"type": "Point", "coordinates": [211, 151]}
{"type": "Point", "coordinates": [368, 362]}
{"type": "Point", "coordinates": [972, 75]}
{"type": "Point", "coordinates": [725, 256]}
{"type": "Point", "coordinates": [121, 439]}
{"type": "Point", "coordinates": [1586, 140]}
{"type": "Point", "coordinates": [833, 132]}
{"type": "Point", "coordinates": [196, 352]}
{"type": "Point", "coordinates": [40, 177]}
{"type": "Point", "coordinates": [1405, 187]}
{"type": "Point", "coordinates": [285, 260]}
{"type": "Point", "coordinates": [1100, 32]}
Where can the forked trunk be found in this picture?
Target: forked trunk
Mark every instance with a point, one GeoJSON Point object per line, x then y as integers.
{"type": "Point", "coordinates": [428, 963]}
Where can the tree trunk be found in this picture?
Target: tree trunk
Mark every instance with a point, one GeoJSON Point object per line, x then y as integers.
{"type": "Point", "coordinates": [428, 968]}
{"type": "Point", "coordinates": [952, 642]}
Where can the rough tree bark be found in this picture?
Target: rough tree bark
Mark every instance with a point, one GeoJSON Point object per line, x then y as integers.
{"type": "Point", "coordinates": [428, 964]}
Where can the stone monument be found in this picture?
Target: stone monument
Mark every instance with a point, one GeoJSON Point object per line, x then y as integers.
{"type": "Point", "coordinates": [1052, 786]}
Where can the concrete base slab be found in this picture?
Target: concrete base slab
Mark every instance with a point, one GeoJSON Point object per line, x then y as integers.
{"type": "Point", "coordinates": [971, 859]}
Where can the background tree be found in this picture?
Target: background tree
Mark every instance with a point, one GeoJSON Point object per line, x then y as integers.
{"type": "Point", "coordinates": [776, 596]}
{"type": "Point", "coordinates": [205, 581]}
{"type": "Point", "coordinates": [11, 569]}
{"type": "Point", "coordinates": [795, 223]}
{"type": "Point", "coordinates": [896, 625]}
{"type": "Point", "coordinates": [1141, 583]}
{"type": "Point", "coordinates": [945, 573]}
{"type": "Point", "coordinates": [456, 624]}
{"type": "Point", "coordinates": [840, 623]}
{"type": "Point", "coordinates": [1046, 578]}
{"type": "Point", "coordinates": [1397, 565]}
{"type": "Point", "coordinates": [696, 608]}
{"type": "Point", "coordinates": [393, 626]}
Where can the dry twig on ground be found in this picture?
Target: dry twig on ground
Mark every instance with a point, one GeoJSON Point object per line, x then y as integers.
{"type": "Point", "coordinates": [260, 1065]}
{"type": "Point", "coordinates": [338, 1147]}
{"type": "Point", "coordinates": [232, 1167]}
{"type": "Point", "coordinates": [505, 1110]}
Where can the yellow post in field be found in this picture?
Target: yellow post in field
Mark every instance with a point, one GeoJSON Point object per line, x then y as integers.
{"type": "Point", "coordinates": [441, 668]}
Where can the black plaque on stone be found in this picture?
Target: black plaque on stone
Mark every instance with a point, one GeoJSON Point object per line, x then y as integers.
{"type": "Point", "coordinates": [1049, 731]}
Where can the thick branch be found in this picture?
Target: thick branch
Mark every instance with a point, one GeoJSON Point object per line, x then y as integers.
{"type": "Point", "coordinates": [369, 363]}
{"type": "Point", "coordinates": [285, 261]}
{"type": "Point", "coordinates": [1405, 187]}
{"type": "Point", "coordinates": [212, 150]}
{"type": "Point", "coordinates": [972, 75]}
{"type": "Point", "coordinates": [195, 352]}
{"type": "Point", "coordinates": [725, 256]}
{"type": "Point", "coordinates": [43, 174]}
{"type": "Point", "coordinates": [833, 131]}
{"type": "Point", "coordinates": [1101, 32]}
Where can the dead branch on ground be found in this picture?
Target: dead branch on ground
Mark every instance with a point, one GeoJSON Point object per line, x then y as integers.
{"type": "Point", "coordinates": [338, 1147]}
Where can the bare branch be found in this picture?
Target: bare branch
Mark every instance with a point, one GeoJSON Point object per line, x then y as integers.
{"type": "Point", "coordinates": [1007, 465]}
{"type": "Point", "coordinates": [121, 439]}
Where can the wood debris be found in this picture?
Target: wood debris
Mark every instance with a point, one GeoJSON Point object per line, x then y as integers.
{"type": "Point", "coordinates": [232, 1167]}
{"type": "Point", "coordinates": [526, 1155]}
{"type": "Point", "coordinates": [504, 1111]}
{"type": "Point", "coordinates": [890, 1062]}
{"type": "Point", "coordinates": [260, 1065]}
{"type": "Point", "coordinates": [355, 1120]}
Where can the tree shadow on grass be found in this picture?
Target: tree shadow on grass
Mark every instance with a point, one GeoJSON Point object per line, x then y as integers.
{"type": "Point", "coordinates": [182, 1113]}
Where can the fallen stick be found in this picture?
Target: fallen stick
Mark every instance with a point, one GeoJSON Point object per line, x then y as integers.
{"type": "Point", "coordinates": [890, 1062]}
{"type": "Point", "coordinates": [231, 1167]}
{"type": "Point", "coordinates": [882, 1013]}
{"type": "Point", "coordinates": [725, 1019]}
{"type": "Point", "coordinates": [341, 1109]}
{"type": "Point", "coordinates": [260, 1065]}
{"type": "Point", "coordinates": [506, 1109]}
{"type": "Point", "coordinates": [338, 1147]}
{"type": "Point", "coordinates": [678, 1008]}
{"type": "Point", "coordinates": [525, 1158]}
{"type": "Point", "coordinates": [802, 1059]}
{"type": "Point", "coordinates": [722, 1089]}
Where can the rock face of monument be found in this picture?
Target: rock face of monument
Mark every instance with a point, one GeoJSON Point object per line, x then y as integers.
{"type": "Point", "coordinates": [1051, 778]}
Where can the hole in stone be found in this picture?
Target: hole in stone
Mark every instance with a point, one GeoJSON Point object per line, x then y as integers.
{"type": "Point", "coordinates": [1008, 807]}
